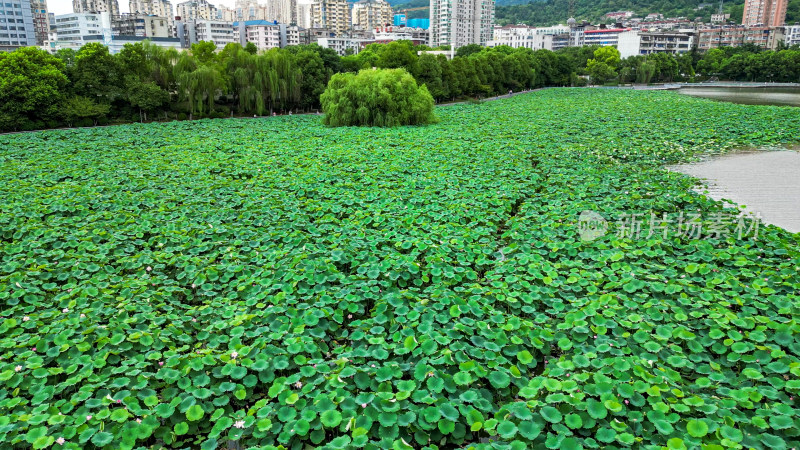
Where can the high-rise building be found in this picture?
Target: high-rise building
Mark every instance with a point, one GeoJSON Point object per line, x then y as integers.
{"type": "Point", "coordinates": [196, 10]}
{"type": "Point", "coordinates": [371, 14]}
{"type": "Point", "coordinates": [195, 30]}
{"type": "Point", "coordinates": [158, 8]}
{"type": "Point", "coordinates": [770, 13]}
{"type": "Point", "coordinates": [303, 14]}
{"type": "Point", "coordinates": [284, 11]}
{"type": "Point", "coordinates": [76, 29]}
{"type": "Point", "coordinates": [333, 15]}
{"type": "Point", "coordinates": [16, 25]}
{"type": "Point", "coordinates": [96, 6]}
{"type": "Point", "coordinates": [41, 21]}
{"type": "Point", "coordinates": [461, 22]}
{"type": "Point", "coordinates": [140, 25]}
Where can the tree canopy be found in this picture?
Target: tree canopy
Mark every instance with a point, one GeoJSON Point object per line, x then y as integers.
{"type": "Point", "coordinates": [379, 97]}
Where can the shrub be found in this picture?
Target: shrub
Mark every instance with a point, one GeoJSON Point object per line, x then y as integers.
{"type": "Point", "coordinates": [382, 98]}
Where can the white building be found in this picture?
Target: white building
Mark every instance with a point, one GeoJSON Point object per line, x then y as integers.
{"type": "Point", "coordinates": [23, 32]}
{"type": "Point", "coordinates": [632, 43]}
{"type": "Point", "coordinates": [522, 36]}
{"type": "Point", "coordinates": [264, 35]}
{"type": "Point", "coordinates": [196, 10]}
{"type": "Point", "coordinates": [284, 11]}
{"type": "Point", "coordinates": [342, 44]}
{"type": "Point", "coordinates": [96, 6]}
{"type": "Point", "coordinates": [603, 37]}
{"type": "Point", "coordinates": [193, 31]}
{"type": "Point", "coordinates": [792, 35]}
{"type": "Point", "coordinates": [75, 30]}
{"type": "Point", "coordinates": [304, 14]}
{"type": "Point", "coordinates": [461, 22]}
{"type": "Point", "coordinates": [117, 43]}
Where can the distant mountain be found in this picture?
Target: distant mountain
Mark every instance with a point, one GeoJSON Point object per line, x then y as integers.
{"type": "Point", "coordinates": [551, 12]}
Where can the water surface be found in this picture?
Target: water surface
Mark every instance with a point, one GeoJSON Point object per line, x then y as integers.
{"type": "Point", "coordinates": [766, 182]}
{"type": "Point", "coordinates": [781, 96]}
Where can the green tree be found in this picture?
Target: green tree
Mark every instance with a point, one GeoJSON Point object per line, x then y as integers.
{"type": "Point", "coordinates": [96, 73]}
{"type": "Point", "coordinates": [467, 50]}
{"type": "Point", "coordinates": [198, 84]}
{"type": "Point", "coordinates": [204, 52]}
{"type": "Point", "coordinates": [32, 84]}
{"type": "Point", "coordinates": [430, 75]}
{"type": "Point", "coordinates": [602, 67]}
{"type": "Point", "coordinates": [398, 55]}
{"type": "Point", "coordinates": [146, 96]}
{"type": "Point", "coordinates": [79, 108]}
{"type": "Point", "coordinates": [607, 55]}
{"type": "Point", "coordinates": [251, 48]}
{"type": "Point", "coordinates": [315, 77]}
{"type": "Point", "coordinates": [384, 98]}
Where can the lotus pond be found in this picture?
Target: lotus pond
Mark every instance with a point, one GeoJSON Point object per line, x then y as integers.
{"type": "Point", "coordinates": [274, 283]}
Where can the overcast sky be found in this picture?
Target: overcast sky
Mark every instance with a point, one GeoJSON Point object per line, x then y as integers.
{"type": "Point", "coordinates": [65, 6]}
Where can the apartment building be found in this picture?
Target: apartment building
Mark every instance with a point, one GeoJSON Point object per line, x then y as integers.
{"type": "Point", "coordinates": [331, 14]}
{"type": "Point", "coordinates": [461, 22]}
{"type": "Point", "coordinates": [140, 25]}
{"type": "Point", "coordinates": [41, 21]}
{"type": "Point", "coordinates": [735, 36]}
{"type": "Point", "coordinates": [96, 7]}
{"type": "Point", "coordinates": [16, 25]}
{"type": "Point", "coordinates": [770, 13]}
{"type": "Point", "coordinates": [196, 10]}
{"type": "Point", "coordinates": [371, 14]}
{"type": "Point", "coordinates": [632, 43]}
{"type": "Point", "coordinates": [193, 31]}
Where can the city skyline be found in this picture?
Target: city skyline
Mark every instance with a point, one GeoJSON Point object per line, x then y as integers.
{"type": "Point", "coordinates": [59, 7]}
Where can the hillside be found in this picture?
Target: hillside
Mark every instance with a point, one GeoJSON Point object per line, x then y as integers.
{"type": "Point", "coordinates": [550, 12]}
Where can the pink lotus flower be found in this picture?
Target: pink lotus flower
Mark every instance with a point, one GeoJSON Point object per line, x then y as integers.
{"type": "Point", "coordinates": [626, 402]}
{"type": "Point", "coordinates": [18, 369]}
{"type": "Point", "coordinates": [234, 354]}
{"type": "Point", "coordinates": [60, 441]}
{"type": "Point", "coordinates": [88, 418]}
{"type": "Point", "coordinates": [239, 424]}
{"type": "Point", "coordinates": [119, 401]}
{"type": "Point", "coordinates": [25, 318]}
{"type": "Point", "coordinates": [83, 316]}
{"type": "Point", "coordinates": [349, 316]}
{"type": "Point", "coordinates": [149, 268]}
{"type": "Point", "coordinates": [65, 310]}
{"type": "Point", "coordinates": [138, 420]}
{"type": "Point", "coordinates": [298, 385]}
{"type": "Point", "coordinates": [161, 363]}
{"type": "Point", "coordinates": [194, 285]}
{"type": "Point", "coordinates": [363, 405]}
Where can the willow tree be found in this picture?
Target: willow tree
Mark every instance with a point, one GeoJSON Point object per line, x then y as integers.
{"type": "Point", "coordinates": [198, 84]}
{"type": "Point", "coordinates": [383, 98]}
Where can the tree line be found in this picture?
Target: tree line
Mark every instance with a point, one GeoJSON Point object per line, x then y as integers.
{"type": "Point", "coordinates": [145, 82]}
